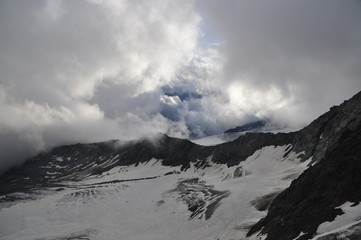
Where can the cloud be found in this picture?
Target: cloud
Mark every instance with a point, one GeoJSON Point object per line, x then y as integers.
{"type": "Point", "coordinates": [58, 56]}
{"type": "Point", "coordinates": [302, 54]}
{"type": "Point", "coordinates": [94, 70]}
{"type": "Point", "coordinates": [286, 61]}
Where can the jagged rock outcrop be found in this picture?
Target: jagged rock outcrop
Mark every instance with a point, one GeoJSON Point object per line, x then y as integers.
{"type": "Point", "coordinates": [313, 198]}
{"type": "Point", "coordinates": [325, 132]}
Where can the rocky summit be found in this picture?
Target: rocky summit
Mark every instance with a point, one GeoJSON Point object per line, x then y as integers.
{"type": "Point", "coordinates": [298, 185]}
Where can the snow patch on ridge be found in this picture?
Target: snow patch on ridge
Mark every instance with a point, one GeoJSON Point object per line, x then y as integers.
{"type": "Point", "coordinates": [345, 224]}
{"type": "Point", "coordinates": [228, 137]}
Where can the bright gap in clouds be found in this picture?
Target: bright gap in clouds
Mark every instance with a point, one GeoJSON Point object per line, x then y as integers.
{"type": "Point", "coordinates": [94, 70]}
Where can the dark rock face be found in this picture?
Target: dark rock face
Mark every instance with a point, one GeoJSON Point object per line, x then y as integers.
{"type": "Point", "coordinates": [247, 127]}
{"type": "Point", "coordinates": [313, 198]}
{"type": "Point", "coordinates": [325, 132]}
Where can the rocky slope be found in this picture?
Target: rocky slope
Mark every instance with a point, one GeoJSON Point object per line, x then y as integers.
{"type": "Point", "coordinates": [315, 196]}
{"type": "Point", "coordinates": [334, 143]}
{"type": "Point", "coordinates": [84, 160]}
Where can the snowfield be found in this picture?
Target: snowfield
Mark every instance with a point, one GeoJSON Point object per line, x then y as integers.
{"type": "Point", "coordinates": [343, 226]}
{"type": "Point", "coordinates": [154, 202]}
{"type": "Point", "coordinates": [228, 137]}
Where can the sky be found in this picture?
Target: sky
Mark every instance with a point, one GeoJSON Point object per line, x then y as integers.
{"type": "Point", "coordinates": [95, 70]}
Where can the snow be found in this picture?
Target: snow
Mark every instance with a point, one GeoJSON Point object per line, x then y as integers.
{"type": "Point", "coordinates": [52, 173]}
{"type": "Point", "coordinates": [300, 235]}
{"type": "Point", "coordinates": [342, 222]}
{"type": "Point", "coordinates": [321, 137]}
{"type": "Point", "coordinates": [228, 137]}
{"type": "Point", "coordinates": [59, 159]}
{"type": "Point", "coordinates": [141, 202]}
{"type": "Point", "coordinates": [215, 139]}
{"type": "Point", "coordinates": [341, 232]}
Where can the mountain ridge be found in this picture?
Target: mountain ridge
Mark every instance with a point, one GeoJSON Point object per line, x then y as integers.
{"type": "Point", "coordinates": [248, 126]}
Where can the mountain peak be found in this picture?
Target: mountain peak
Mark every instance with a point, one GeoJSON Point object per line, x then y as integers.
{"type": "Point", "coordinates": [251, 126]}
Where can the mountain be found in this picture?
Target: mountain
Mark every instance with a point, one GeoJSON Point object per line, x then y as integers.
{"type": "Point", "coordinates": [234, 133]}
{"type": "Point", "coordinates": [252, 126]}
{"type": "Point", "coordinates": [330, 189]}
{"type": "Point", "coordinates": [298, 185]}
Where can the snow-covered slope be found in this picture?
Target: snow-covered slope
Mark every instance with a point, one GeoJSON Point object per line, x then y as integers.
{"type": "Point", "coordinates": [217, 139]}
{"type": "Point", "coordinates": [152, 201]}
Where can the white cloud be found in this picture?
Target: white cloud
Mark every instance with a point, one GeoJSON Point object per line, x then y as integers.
{"type": "Point", "coordinates": [308, 52]}
{"type": "Point", "coordinates": [56, 54]}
